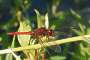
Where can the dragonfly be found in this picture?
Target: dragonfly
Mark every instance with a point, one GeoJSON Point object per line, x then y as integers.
{"type": "Point", "coordinates": [37, 32]}
{"type": "Point", "coordinates": [43, 31]}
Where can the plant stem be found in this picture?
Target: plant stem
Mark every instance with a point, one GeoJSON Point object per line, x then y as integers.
{"type": "Point", "coordinates": [47, 44]}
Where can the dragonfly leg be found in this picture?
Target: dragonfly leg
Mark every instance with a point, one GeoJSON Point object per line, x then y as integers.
{"type": "Point", "coordinates": [43, 54]}
{"type": "Point", "coordinates": [36, 54]}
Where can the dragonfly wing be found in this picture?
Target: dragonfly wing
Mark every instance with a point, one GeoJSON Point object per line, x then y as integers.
{"type": "Point", "coordinates": [46, 21]}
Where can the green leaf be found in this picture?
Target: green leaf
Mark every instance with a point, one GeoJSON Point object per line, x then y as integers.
{"type": "Point", "coordinates": [82, 27]}
{"type": "Point", "coordinates": [88, 30]}
{"type": "Point", "coordinates": [1, 57]}
{"type": "Point", "coordinates": [13, 42]}
{"type": "Point", "coordinates": [78, 32]}
{"type": "Point", "coordinates": [9, 57]}
{"type": "Point", "coordinates": [40, 20]}
{"type": "Point", "coordinates": [55, 4]}
{"type": "Point", "coordinates": [57, 58]}
{"type": "Point", "coordinates": [24, 27]}
{"type": "Point", "coordinates": [76, 14]}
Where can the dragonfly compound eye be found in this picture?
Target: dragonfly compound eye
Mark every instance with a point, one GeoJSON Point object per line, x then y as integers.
{"type": "Point", "coordinates": [50, 32]}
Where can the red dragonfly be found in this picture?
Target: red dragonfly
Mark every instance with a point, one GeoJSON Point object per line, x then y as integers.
{"type": "Point", "coordinates": [43, 31]}
{"type": "Point", "coordinates": [37, 32]}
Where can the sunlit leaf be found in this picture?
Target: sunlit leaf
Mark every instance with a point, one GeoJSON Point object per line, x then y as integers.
{"type": "Point", "coordinates": [24, 27]}
{"type": "Point", "coordinates": [57, 58]}
{"type": "Point", "coordinates": [9, 57]}
{"type": "Point", "coordinates": [40, 19]}
{"type": "Point", "coordinates": [46, 21]}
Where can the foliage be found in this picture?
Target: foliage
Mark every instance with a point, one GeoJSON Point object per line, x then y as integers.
{"type": "Point", "coordinates": [67, 23]}
{"type": "Point", "coordinates": [82, 53]}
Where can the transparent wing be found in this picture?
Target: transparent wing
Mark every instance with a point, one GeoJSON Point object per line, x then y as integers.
{"type": "Point", "coordinates": [49, 51]}
{"type": "Point", "coordinates": [46, 21]}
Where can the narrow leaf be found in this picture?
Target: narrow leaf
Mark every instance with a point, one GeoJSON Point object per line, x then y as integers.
{"type": "Point", "coordinates": [40, 20]}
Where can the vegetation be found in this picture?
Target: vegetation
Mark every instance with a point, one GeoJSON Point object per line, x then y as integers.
{"type": "Point", "coordinates": [68, 24]}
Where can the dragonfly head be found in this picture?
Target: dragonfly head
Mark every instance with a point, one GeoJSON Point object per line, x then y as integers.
{"type": "Point", "coordinates": [50, 32]}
